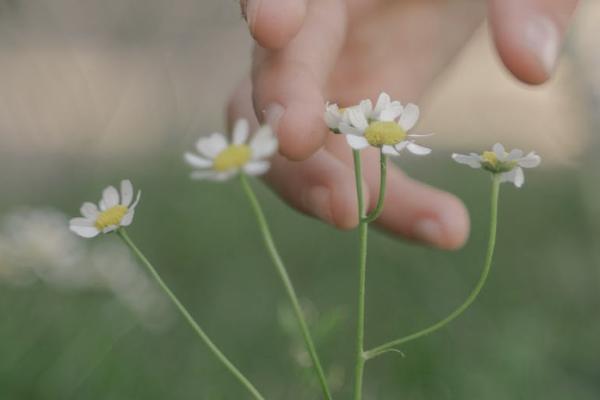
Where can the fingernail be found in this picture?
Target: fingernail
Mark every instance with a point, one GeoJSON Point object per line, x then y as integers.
{"type": "Point", "coordinates": [318, 202]}
{"type": "Point", "coordinates": [541, 36]}
{"type": "Point", "coordinates": [428, 230]}
{"type": "Point", "coordinates": [272, 114]}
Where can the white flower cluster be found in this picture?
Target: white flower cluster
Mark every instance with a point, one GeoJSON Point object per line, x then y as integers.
{"type": "Point", "coordinates": [384, 126]}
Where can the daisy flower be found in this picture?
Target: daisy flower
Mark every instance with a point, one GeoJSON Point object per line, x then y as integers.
{"type": "Point", "coordinates": [113, 211]}
{"type": "Point", "coordinates": [384, 126]}
{"type": "Point", "coordinates": [508, 164]}
{"type": "Point", "coordinates": [219, 160]}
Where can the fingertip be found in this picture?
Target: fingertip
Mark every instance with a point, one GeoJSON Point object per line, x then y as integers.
{"type": "Point", "coordinates": [274, 23]}
{"type": "Point", "coordinates": [455, 222]}
{"type": "Point", "coordinates": [301, 131]}
{"type": "Point", "coordinates": [529, 50]}
{"type": "Point", "coordinates": [528, 35]}
{"type": "Point", "coordinates": [344, 202]}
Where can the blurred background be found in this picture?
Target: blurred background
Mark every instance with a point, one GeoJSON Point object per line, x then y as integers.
{"type": "Point", "coordinates": [96, 91]}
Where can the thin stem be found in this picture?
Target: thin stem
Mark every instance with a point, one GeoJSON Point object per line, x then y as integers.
{"type": "Point", "coordinates": [382, 183]}
{"type": "Point", "coordinates": [188, 317]}
{"type": "Point", "coordinates": [287, 283]}
{"type": "Point", "coordinates": [484, 275]}
{"type": "Point", "coordinates": [362, 268]}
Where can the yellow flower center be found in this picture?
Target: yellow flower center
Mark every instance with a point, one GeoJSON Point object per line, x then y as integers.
{"type": "Point", "coordinates": [380, 133]}
{"type": "Point", "coordinates": [491, 163]}
{"type": "Point", "coordinates": [110, 217]}
{"type": "Point", "coordinates": [490, 158]}
{"type": "Point", "coordinates": [234, 156]}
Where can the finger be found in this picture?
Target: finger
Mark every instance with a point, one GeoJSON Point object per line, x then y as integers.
{"type": "Point", "coordinates": [321, 186]}
{"type": "Point", "coordinates": [273, 23]}
{"type": "Point", "coordinates": [288, 83]}
{"type": "Point", "coordinates": [411, 209]}
{"type": "Point", "coordinates": [529, 33]}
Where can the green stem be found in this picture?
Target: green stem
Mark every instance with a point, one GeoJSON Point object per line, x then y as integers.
{"type": "Point", "coordinates": [188, 317]}
{"type": "Point", "coordinates": [382, 183]}
{"type": "Point", "coordinates": [484, 275]}
{"type": "Point", "coordinates": [362, 268]}
{"type": "Point", "coordinates": [287, 283]}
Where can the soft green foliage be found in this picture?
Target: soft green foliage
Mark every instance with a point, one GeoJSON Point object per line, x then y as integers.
{"type": "Point", "coordinates": [532, 334]}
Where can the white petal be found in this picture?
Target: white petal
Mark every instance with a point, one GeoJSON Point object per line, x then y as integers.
{"type": "Point", "coordinates": [137, 200]}
{"type": "Point", "coordinates": [126, 192]}
{"type": "Point", "coordinates": [264, 143]}
{"type": "Point", "coordinates": [240, 131]}
{"type": "Point", "coordinates": [85, 231]}
{"type": "Point", "coordinates": [357, 142]}
{"type": "Point", "coordinates": [83, 227]}
{"type": "Point", "coordinates": [350, 130]}
{"type": "Point", "coordinates": [514, 154]}
{"type": "Point", "coordinates": [500, 151]}
{"type": "Point", "coordinates": [85, 222]}
{"type": "Point", "coordinates": [89, 210]}
{"type": "Point", "coordinates": [127, 218]}
{"type": "Point", "coordinates": [418, 149]}
{"type": "Point", "coordinates": [392, 112]}
{"type": "Point", "coordinates": [409, 117]}
{"type": "Point", "coordinates": [382, 102]}
{"type": "Point", "coordinates": [365, 107]}
{"type": "Point", "coordinates": [519, 177]}
{"type": "Point", "coordinates": [472, 161]}
{"type": "Point", "coordinates": [110, 197]}
{"type": "Point", "coordinates": [212, 145]}
{"type": "Point", "coordinates": [402, 145]}
{"type": "Point", "coordinates": [197, 161]}
{"type": "Point", "coordinates": [333, 116]}
{"type": "Point", "coordinates": [200, 175]}
{"type": "Point", "coordinates": [389, 150]}
{"type": "Point", "coordinates": [358, 119]}
{"type": "Point", "coordinates": [223, 176]}
{"type": "Point", "coordinates": [257, 167]}
{"type": "Point", "coordinates": [531, 160]}
{"type": "Point", "coordinates": [420, 135]}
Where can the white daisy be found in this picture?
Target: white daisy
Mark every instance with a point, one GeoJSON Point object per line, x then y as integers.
{"type": "Point", "coordinates": [219, 160]}
{"type": "Point", "coordinates": [113, 211]}
{"type": "Point", "coordinates": [384, 108]}
{"type": "Point", "coordinates": [384, 126]}
{"type": "Point", "coordinates": [508, 164]}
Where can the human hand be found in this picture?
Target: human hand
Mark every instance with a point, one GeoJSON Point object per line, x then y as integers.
{"type": "Point", "coordinates": [310, 51]}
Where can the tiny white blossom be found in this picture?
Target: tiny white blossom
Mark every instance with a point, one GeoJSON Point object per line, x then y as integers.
{"type": "Point", "coordinates": [498, 161]}
{"type": "Point", "coordinates": [384, 126]}
{"type": "Point", "coordinates": [219, 160]}
{"type": "Point", "coordinates": [113, 211]}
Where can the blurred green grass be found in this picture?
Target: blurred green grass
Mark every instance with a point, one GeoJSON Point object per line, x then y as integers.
{"type": "Point", "coordinates": [533, 334]}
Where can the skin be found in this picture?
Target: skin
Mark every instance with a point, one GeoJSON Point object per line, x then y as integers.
{"type": "Point", "coordinates": [311, 51]}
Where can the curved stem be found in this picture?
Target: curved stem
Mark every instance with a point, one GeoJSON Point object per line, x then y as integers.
{"type": "Point", "coordinates": [484, 275]}
{"type": "Point", "coordinates": [188, 317]}
{"type": "Point", "coordinates": [287, 283]}
{"type": "Point", "coordinates": [362, 268]}
{"type": "Point", "coordinates": [382, 183]}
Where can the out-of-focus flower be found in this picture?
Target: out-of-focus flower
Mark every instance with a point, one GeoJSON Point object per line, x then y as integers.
{"type": "Point", "coordinates": [384, 126]}
{"type": "Point", "coordinates": [498, 161]}
{"type": "Point", "coordinates": [219, 160]}
{"type": "Point", "coordinates": [113, 211]}
{"type": "Point", "coordinates": [37, 246]}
